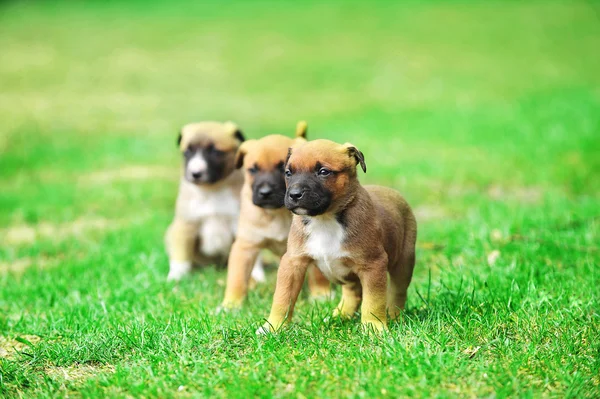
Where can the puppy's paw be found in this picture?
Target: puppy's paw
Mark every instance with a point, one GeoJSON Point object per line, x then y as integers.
{"type": "Point", "coordinates": [229, 306]}
{"type": "Point", "coordinates": [174, 277]}
{"type": "Point", "coordinates": [343, 313]}
{"type": "Point", "coordinates": [178, 269]}
{"type": "Point", "coordinates": [220, 309]}
{"type": "Point", "coordinates": [374, 327]}
{"type": "Point", "coordinates": [337, 312]}
{"type": "Point", "coordinates": [272, 327]}
{"type": "Point", "coordinates": [262, 330]}
{"type": "Point", "coordinates": [265, 329]}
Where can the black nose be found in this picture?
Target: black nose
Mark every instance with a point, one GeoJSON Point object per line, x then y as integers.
{"type": "Point", "coordinates": [196, 175]}
{"type": "Point", "coordinates": [295, 193]}
{"type": "Point", "coordinates": [265, 191]}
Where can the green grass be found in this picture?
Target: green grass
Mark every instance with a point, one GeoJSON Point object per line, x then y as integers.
{"type": "Point", "coordinates": [486, 116]}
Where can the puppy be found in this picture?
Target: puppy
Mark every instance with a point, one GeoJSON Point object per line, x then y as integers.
{"type": "Point", "coordinates": [356, 236]}
{"type": "Point", "coordinates": [208, 202]}
{"type": "Point", "coordinates": [264, 222]}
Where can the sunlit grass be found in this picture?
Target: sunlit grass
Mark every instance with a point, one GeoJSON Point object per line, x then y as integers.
{"type": "Point", "coordinates": [485, 116]}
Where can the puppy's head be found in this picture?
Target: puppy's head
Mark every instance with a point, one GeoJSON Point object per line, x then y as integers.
{"type": "Point", "coordinates": [209, 150]}
{"type": "Point", "coordinates": [264, 162]}
{"type": "Point", "coordinates": [320, 176]}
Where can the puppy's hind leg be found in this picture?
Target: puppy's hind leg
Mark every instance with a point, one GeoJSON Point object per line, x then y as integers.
{"type": "Point", "coordinates": [373, 308]}
{"type": "Point", "coordinates": [318, 285]}
{"type": "Point", "coordinates": [181, 242]}
{"type": "Point", "coordinates": [401, 274]}
{"type": "Point", "coordinates": [351, 298]}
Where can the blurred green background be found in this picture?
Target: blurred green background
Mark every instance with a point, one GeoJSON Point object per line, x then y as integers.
{"type": "Point", "coordinates": [485, 115]}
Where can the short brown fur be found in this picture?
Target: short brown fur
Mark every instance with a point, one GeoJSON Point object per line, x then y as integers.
{"type": "Point", "coordinates": [183, 239]}
{"type": "Point", "coordinates": [379, 236]}
{"type": "Point", "coordinates": [260, 228]}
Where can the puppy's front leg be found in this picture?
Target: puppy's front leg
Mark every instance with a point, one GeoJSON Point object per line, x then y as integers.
{"type": "Point", "coordinates": [239, 267]}
{"type": "Point", "coordinates": [290, 278]}
{"type": "Point", "coordinates": [181, 240]}
{"type": "Point", "coordinates": [374, 282]}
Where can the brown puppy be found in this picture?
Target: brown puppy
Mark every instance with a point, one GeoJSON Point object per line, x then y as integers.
{"type": "Point", "coordinates": [208, 202]}
{"type": "Point", "coordinates": [264, 221]}
{"type": "Point", "coordinates": [356, 235]}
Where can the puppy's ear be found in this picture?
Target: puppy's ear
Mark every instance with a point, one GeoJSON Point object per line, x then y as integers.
{"type": "Point", "coordinates": [301, 128]}
{"type": "Point", "coordinates": [239, 157]}
{"type": "Point", "coordinates": [241, 153]}
{"type": "Point", "coordinates": [235, 131]}
{"type": "Point", "coordinates": [357, 155]}
{"type": "Point", "coordinates": [239, 135]}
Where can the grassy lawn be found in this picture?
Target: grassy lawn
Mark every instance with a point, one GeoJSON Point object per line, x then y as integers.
{"type": "Point", "coordinates": [486, 116]}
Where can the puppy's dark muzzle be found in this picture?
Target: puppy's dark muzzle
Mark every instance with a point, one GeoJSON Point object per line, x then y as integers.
{"type": "Point", "coordinates": [264, 191]}
{"type": "Point", "coordinates": [295, 198]}
{"type": "Point", "coordinates": [268, 195]}
{"type": "Point", "coordinates": [303, 199]}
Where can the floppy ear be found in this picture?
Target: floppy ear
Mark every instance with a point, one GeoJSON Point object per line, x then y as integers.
{"type": "Point", "coordinates": [357, 155]}
{"type": "Point", "coordinates": [239, 157]}
{"type": "Point", "coordinates": [301, 128]}
{"type": "Point", "coordinates": [239, 135]}
{"type": "Point", "coordinates": [235, 131]}
{"type": "Point", "coordinates": [241, 153]}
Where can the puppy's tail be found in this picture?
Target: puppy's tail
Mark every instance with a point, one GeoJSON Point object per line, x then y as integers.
{"type": "Point", "coordinates": [301, 128]}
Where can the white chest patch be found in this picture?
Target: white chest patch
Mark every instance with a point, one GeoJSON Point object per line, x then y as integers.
{"type": "Point", "coordinates": [324, 245]}
{"type": "Point", "coordinates": [210, 203]}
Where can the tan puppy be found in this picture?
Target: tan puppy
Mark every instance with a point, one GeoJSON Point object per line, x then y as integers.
{"type": "Point", "coordinates": [356, 235]}
{"type": "Point", "coordinates": [264, 221]}
{"type": "Point", "coordinates": [208, 202]}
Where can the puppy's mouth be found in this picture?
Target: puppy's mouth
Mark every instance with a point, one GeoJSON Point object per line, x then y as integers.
{"type": "Point", "coordinates": [270, 203]}
{"type": "Point", "coordinates": [269, 206]}
{"type": "Point", "coordinates": [312, 206]}
{"type": "Point", "coordinates": [306, 212]}
{"type": "Point", "coordinates": [199, 179]}
{"type": "Point", "coordinates": [268, 193]}
{"type": "Point", "coordinates": [300, 211]}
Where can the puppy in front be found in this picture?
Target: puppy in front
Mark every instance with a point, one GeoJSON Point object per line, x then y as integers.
{"type": "Point", "coordinates": [264, 222]}
{"type": "Point", "coordinates": [208, 203]}
{"type": "Point", "coordinates": [355, 234]}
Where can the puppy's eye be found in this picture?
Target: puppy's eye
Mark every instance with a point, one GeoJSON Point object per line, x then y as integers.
{"type": "Point", "coordinates": [188, 152]}
{"type": "Point", "coordinates": [288, 173]}
{"type": "Point", "coordinates": [253, 170]}
{"type": "Point", "coordinates": [214, 151]}
{"type": "Point", "coordinates": [324, 172]}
